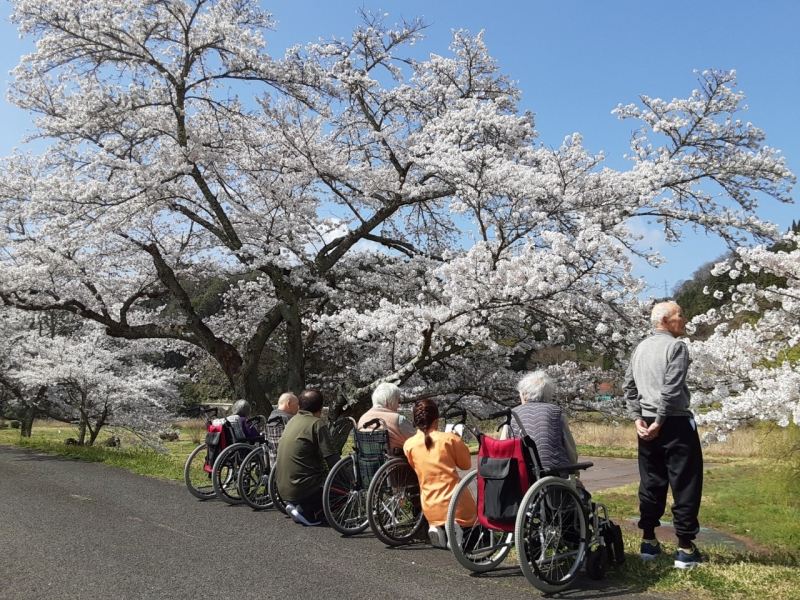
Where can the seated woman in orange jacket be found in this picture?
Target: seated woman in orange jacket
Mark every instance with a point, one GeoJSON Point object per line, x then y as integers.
{"type": "Point", "coordinates": [436, 458]}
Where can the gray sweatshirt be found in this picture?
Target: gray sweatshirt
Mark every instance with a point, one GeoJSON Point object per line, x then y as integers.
{"type": "Point", "coordinates": [655, 383]}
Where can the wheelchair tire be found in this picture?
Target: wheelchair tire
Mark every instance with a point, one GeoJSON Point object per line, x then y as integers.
{"type": "Point", "coordinates": [253, 483]}
{"type": "Point", "coordinates": [393, 503]}
{"type": "Point", "coordinates": [596, 560]}
{"type": "Point", "coordinates": [551, 535]}
{"type": "Point", "coordinates": [277, 501]}
{"type": "Point", "coordinates": [343, 498]}
{"type": "Point", "coordinates": [224, 475]}
{"type": "Point", "coordinates": [197, 479]}
{"type": "Point", "coordinates": [481, 549]}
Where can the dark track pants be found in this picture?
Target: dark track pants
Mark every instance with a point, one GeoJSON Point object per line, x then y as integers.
{"type": "Point", "coordinates": [673, 460]}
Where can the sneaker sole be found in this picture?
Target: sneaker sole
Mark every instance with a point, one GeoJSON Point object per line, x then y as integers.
{"type": "Point", "coordinates": [648, 556]}
{"type": "Point", "coordinates": [679, 564]}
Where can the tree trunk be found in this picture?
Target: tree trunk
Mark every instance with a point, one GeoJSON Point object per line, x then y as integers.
{"type": "Point", "coordinates": [93, 433]}
{"type": "Point", "coordinates": [295, 356]}
{"type": "Point", "coordinates": [246, 385]}
{"type": "Point", "coordinates": [26, 420]}
{"type": "Point", "coordinates": [82, 430]}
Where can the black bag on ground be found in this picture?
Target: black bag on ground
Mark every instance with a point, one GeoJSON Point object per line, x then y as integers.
{"type": "Point", "coordinates": [612, 537]}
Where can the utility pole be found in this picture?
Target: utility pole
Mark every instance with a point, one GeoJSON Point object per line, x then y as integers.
{"type": "Point", "coordinates": [666, 294]}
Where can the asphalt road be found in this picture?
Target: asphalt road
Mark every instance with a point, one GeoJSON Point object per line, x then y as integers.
{"type": "Point", "coordinates": [71, 529]}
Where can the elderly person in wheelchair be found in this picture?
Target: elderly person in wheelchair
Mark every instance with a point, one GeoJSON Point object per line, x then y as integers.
{"type": "Point", "coordinates": [385, 403]}
{"type": "Point", "coordinates": [545, 423]}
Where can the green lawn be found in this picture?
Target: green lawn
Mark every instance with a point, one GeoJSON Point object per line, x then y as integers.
{"type": "Point", "coordinates": [748, 499]}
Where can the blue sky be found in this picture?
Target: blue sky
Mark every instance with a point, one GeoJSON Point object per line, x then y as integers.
{"type": "Point", "coordinates": [575, 61]}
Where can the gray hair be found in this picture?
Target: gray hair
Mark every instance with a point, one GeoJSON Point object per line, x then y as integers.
{"type": "Point", "coordinates": [537, 387]}
{"type": "Point", "coordinates": [386, 394]}
{"type": "Point", "coordinates": [661, 310]}
{"type": "Point", "coordinates": [241, 408]}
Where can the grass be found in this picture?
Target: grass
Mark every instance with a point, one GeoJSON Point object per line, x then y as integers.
{"type": "Point", "coordinates": [725, 574]}
{"type": "Point", "coordinates": [748, 499]}
{"type": "Point", "coordinates": [131, 455]}
{"type": "Point", "coordinates": [753, 497]}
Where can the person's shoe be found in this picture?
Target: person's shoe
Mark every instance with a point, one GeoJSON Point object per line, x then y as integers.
{"type": "Point", "coordinates": [687, 559]}
{"type": "Point", "coordinates": [437, 536]}
{"type": "Point", "coordinates": [289, 508]}
{"type": "Point", "coordinates": [298, 517]}
{"type": "Point", "coordinates": [648, 551]}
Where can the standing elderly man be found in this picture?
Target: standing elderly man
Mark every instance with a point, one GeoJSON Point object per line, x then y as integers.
{"type": "Point", "coordinates": [385, 403]}
{"type": "Point", "coordinates": [670, 455]}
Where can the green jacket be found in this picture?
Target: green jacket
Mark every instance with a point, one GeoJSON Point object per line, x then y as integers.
{"type": "Point", "coordinates": [304, 446]}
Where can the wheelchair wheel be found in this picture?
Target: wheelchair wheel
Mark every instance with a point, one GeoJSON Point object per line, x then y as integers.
{"type": "Point", "coordinates": [226, 470]}
{"type": "Point", "coordinates": [197, 479]}
{"type": "Point", "coordinates": [343, 499]}
{"type": "Point", "coordinates": [481, 549]}
{"type": "Point", "coordinates": [393, 503]}
{"type": "Point", "coordinates": [277, 501]}
{"type": "Point", "coordinates": [551, 535]}
{"type": "Point", "coordinates": [253, 483]}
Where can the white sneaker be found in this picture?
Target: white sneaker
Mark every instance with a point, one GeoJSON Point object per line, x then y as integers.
{"type": "Point", "coordinates": [437, 536]}
{"type": "Point", "coordinates": [297, 517]}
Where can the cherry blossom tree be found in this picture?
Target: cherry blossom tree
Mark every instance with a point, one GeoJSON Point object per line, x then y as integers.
{"type": "Point", "coordinates": [751, 371]}
{"type": "Point", "coordinates": [84, 378]}
{"type": "Point", "coordinates": [378, 217]}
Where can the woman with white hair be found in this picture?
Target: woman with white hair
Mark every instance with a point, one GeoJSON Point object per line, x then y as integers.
{"type": "Point", "coordinates": [385, 403]}
{"type": "Point", "coordinates": [544, 422]}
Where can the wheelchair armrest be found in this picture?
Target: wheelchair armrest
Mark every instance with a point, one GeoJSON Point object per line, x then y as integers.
{"type": "Point", "coordinates": [567, 469]}
{"type": "Point", "coordinates": [260, 439]}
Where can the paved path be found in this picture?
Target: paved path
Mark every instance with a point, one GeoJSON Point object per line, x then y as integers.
{"type": "Point", "coordinates": [71, 529]}
{"type": "Point", "coordinates": [605, 473]}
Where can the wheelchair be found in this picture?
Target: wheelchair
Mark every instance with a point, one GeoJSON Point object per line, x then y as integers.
{"type": "Point", "coordinates": [394, 503]}
{"type": "Point", "coordinates": [258, 466]}
{"type": "Point", "coordinates": [225, 471]}
{"type": "Point", "coordinates": [537, 511]}
{"type": "Point", "coordinates": [197, 470]}
{"type": "Point", "coordinates": [344, 496]}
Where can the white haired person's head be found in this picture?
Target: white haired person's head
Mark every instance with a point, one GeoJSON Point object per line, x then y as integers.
{"type": "Point", "coordinates": [660, 311]}
{"type": "Point", "coordinates": [288, 403]}
{"type": "Point", "coordinates": [536, 387]}
{"type": "Point", "coordinates": [669, 317]}
{"type": "Point", "coordinates": [386, 395]}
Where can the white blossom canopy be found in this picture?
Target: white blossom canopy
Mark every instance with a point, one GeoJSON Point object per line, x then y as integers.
{"type": "Point", "coordinates": [376, 217]}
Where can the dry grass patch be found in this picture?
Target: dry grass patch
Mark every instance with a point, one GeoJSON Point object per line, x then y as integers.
{"type": "Point", "coordinates": [607, 439]}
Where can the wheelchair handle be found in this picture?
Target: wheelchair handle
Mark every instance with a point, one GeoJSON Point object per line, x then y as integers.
{"type": "Point", "coordinates": [258, 418]}
{"type": "Point", "coordinates": [456, 412]}
{"type": "Point", "coordinates": [506, 412]}
{"type": "Point", "coordinates": [375, 423]}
